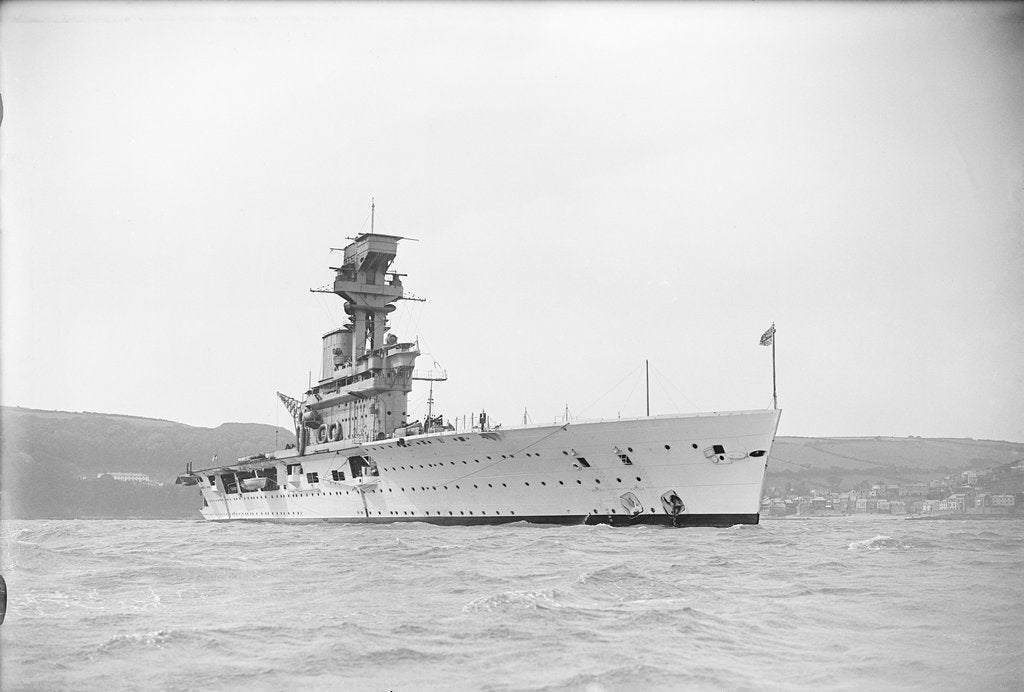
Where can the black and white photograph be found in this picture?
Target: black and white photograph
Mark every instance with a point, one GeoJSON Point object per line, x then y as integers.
{"type": "Point", "coordinates": [511, 346]}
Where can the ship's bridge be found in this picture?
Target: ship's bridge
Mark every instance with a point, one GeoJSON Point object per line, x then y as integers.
{"type": "Point", "coordinates": [366, 373]}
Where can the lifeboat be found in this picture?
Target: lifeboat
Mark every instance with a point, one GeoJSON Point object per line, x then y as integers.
{"type": "Point", "coordinates": [258, 483]}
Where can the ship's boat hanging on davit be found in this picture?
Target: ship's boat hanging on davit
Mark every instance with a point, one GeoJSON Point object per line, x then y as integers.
{"type": "Point", "coordinates": [359, 458]}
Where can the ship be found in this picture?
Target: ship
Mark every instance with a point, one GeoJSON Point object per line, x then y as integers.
{"type": "Point", "coordinates": [358, 457]}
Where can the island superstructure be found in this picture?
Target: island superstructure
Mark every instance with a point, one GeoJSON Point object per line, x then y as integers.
{"type": "Point", "coordinates": [358, 458]}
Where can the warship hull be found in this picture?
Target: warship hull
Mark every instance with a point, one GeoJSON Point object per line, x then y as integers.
{"type": "Point", "coordinates": [359, 458]}
{"type": "Point", "coordinates": [675, 470]}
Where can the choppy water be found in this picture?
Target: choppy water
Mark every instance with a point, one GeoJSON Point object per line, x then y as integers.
{"type": "Point", "coordinates": [827, 603]}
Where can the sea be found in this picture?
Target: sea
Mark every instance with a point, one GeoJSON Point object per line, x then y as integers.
{"type": "Point", "coordinates": [859, 602]}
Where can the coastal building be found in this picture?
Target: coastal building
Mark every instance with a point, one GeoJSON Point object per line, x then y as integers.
{"type": "Point", "coordinates": [996, 491]}
{"type": "Point", "coordinates": [128, 477]}
{"type": "Point", "coordinates": [913, 490]}
{"type": "Point", "coordinates": [951, 504]}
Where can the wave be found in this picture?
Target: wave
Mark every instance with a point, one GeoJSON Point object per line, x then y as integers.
{"type": "Point", "coordinates": [156, 639]}
{"type": "Point", "coordinates": [279, 607]}
{"type": "Point", "coordinates": [514, 600]}
{"type": "Point", "coordinates": [879, 543]}
{"type": "Point", "coordinates": [401, 654]}
{"type": "Point", "coordinates": [625, 677]}
{"type": "Point", "coordinates": [622, 583]}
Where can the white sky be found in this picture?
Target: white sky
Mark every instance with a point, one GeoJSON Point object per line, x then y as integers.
{"type": "Point", "coordinates": [591, 185]}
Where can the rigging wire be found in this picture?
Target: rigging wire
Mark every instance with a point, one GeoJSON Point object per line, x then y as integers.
{"type": "Point", "coordinates": [774, 457]}
{"type": "Point", "coordinates": [663, 379]}
{"type": "Point", "coordinates": [629, 397]}
{"type": "Point", "coordinates": [664, 390]}
{"type": "Point", "coordinates": [610, 389]}
{"type": "Point", "coordinates": [364, 223]}
{"type": "Point", "coordinates": [323, 304]}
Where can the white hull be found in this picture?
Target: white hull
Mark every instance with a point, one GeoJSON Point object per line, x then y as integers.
{"type": "Point", "coordinates": [530, 474]}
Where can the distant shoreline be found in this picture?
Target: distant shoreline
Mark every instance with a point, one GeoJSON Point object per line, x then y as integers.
{"type": "Point", "coordinates": [918, 517]}
{"type": "Point", "coordinates": [948, 517]}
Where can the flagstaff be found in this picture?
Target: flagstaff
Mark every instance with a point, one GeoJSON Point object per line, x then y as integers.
{"type": "Point", "coordinates": [768, 339]}
{"type": "Point", "coordinates": [775, 393]}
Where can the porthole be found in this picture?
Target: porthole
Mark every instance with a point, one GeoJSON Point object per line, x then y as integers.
{"type": "Point", "coordinates": [489, 485]}
{"type": "Point", "coordinates": [503, 485]}
{"type": "Point", "coordinates": [628, 449]}
{"type": "Point", "coordinates": [526, 483]}
{"type": "Point", "coordinates": [561, 483]}
{"type": "Point", "coordinates": [638, 479]}
{"type": "Point", "coordinates": [597, 480]}
{"type": "Point", "coordinates": [618, 480]}
{"type": "Point", "coordinates": [579, 482]}
{"type": "Point", "coordinates": [668, 446]}
{"type": "Point", "coordinates": [543, 483]}
{"type": "Point", "coordinates": [695, 447]}
{"type": "Point", "coordinates": [475, 485]}
{"type": "Point", "coordinates": [463, 461]}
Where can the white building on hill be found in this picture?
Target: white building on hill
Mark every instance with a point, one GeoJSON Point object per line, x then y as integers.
{"type": "Point", "coordinates": [128, 477]}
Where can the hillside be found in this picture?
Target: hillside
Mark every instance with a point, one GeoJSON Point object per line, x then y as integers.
{"type": "Point", "coordinates": [50, 460]}
{"type": "Point", "coordinates": [845, 461]}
